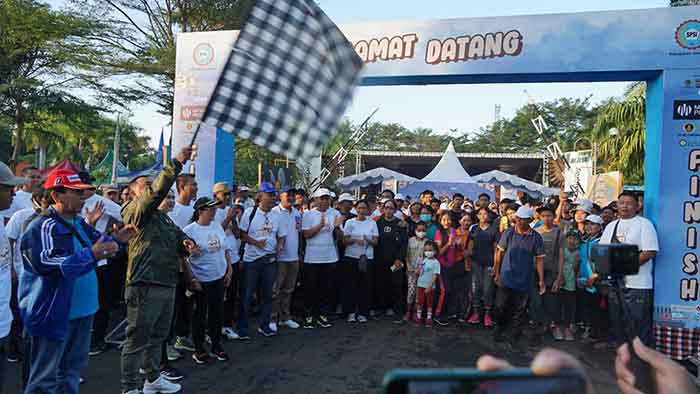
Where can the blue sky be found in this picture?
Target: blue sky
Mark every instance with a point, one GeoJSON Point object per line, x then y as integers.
{"type": "Point", "coordinates": [462, 107]}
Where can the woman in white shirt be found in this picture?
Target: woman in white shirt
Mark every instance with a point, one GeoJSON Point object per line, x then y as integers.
{"type": "Point", "coordinates": [360, 236]}
{"type": "Point", "coordinates": [212, 269]}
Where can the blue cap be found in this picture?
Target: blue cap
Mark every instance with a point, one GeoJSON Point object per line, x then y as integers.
{"type": "Point", "coordinates": [267, 187]}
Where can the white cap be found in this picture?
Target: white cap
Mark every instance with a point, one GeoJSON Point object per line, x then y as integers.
{"type": "Point", "coordinates": [321, 192]}
{"type": "Point", "coordinates": [594, 219]}
{"type": "Point", "coordinates": [399, 196]}
{"type": "Point", "coordinates": [243, 188]}
{"type": "Point", "coordinates": [524, 213]}
{"type": "Point", "coordinates": [346, 197]}
{"type": "Point", "coordinates": [584, 205]}
{"type": "Point", "coordinates": [332, 195]}
{"type": "Point", "coordinates": [444, 206]}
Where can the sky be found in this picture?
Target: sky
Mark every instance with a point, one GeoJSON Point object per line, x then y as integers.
{"type": "Point", "coordinates": [443, 107]}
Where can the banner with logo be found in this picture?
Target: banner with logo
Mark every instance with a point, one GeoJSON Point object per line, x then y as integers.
{"type": "Point", "coordinates": [580, 169]}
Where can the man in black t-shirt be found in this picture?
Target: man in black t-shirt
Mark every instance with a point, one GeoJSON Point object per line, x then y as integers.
{"type": "Point", "coordinates": [456, 212]}
{"type": "Point", "coordinates": [483, 238]}
{"type": "Point", "coordinates": [483, 202]}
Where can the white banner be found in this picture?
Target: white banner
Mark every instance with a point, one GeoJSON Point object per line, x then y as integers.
{"type": "Point", "coordinates": [580, 170]}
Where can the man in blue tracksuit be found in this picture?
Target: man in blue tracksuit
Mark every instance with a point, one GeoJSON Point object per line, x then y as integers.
{"type": "Point", "coordinates": [58, 287]}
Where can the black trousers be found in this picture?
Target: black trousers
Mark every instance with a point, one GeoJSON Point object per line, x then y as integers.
{"type": "Point", "coordinates": [233, 298]}
{"type": "Point", "coordinates": [183, 309]}
{"type": "Point", "coordinates": [561, 306]}
{"type": "Point", "coordinates": [357, 286]}
{"type": "Point", "coordinates": [511, 311]}
{"type": "Point", "coordinates": [317, 287]}
{"type": "Point", "coordinates": [389, 287]}
{"type": "Point", "coordinates": [106, 282]}
{"type": "Point", "coordinates": [208, 314]}
{"type": "Point", "coordinates": [634, 316]}
{"type": "Point", "coordinates": [14, 340]}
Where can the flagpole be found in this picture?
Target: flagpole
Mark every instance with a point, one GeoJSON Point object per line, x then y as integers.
{"type": "Point", "coordinates": [115, 152]}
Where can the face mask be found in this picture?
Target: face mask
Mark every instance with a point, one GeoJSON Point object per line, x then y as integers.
{"type": "Point", "coordinates": [426, 217]}
{"type": "Point", "coordinates": [420, 234]}
{"type": "Point", "coordinates": [429, 254]}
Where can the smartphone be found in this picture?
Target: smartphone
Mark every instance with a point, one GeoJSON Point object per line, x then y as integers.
{"type": "Point", "coordinates": [473, 381]}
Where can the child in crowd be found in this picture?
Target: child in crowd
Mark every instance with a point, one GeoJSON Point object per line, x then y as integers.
{"type": "Point", "coordinates": [597, 324]}
{"type": "Point", "coordinates": [565, 289]}
{"type": "Point", "coordinates": [446, 240]}
{"type": "Point", "coordinates": [414, 259]}
{"type": "Point", "coordinates": [428, 274]}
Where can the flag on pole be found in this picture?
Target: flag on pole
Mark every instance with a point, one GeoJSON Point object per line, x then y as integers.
{"type": "Point", "coordinates": [288, 80]}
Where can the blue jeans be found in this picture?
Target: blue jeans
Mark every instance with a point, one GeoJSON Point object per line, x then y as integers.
{"type": "Point", "coordinates": [265, 271]}
{"type": "Point", "coordinates": [55, 365]}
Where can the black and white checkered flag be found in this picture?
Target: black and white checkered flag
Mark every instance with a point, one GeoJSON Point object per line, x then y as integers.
{"type": "Point", "coordinates": [289, 78]}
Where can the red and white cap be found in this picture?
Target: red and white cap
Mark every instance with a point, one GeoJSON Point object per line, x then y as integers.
{"type": "Point", "coordinates": [65, 178]}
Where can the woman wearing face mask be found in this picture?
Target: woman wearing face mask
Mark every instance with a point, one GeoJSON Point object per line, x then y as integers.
{"type": "Point", "coordinates": [390, 256]}
{"type": "Point", "coordinates": [360, 236]}
{"type": "Point", "coordinates": [426, 216]}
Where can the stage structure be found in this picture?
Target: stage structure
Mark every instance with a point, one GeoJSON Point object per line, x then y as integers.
{"type": "Point", "coordinates": [660, 46]}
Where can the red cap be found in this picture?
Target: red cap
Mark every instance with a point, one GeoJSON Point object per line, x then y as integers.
{"type": "Point", "coordinates": [65, 178]}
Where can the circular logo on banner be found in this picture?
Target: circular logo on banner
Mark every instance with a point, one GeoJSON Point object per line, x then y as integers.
{"type": "Point", "coordinates": [203, 54]}
{"type": "Point", "coordinates": [688, 34]}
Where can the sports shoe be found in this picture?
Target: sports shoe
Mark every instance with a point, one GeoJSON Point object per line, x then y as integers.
{"type": "Point", "coordinates": [309, 323]}
{"type": "Point", "coordinates": [418, 321]}
{"type": "Point", "coordinates": [429, 323]}
{"type": "Point", "coordinates": [170, 373]}
{"type": "Point", "coordinates": [219, 354]}
{"type": "Point", "coordinates": [273, 326]}
{"type": "Point", "coordinates": [134, 391]}
{"type": "Point", "coordinates": [323, 321]}
{"type": "Point", "coordinates": [361, 319]}
{"type": "Point", "coordinates": [266, 331]}
{"type": "Point", "coordinates": [96, 348]}
{"type": "Point", "coordinates": [568, 334]}
{"type": "Point", "coordinates": [352, 318]}
{"type": "Point", "coordinates": [488, 320]}
{"type": "Point", "coordinates": [160, 386]}
{"type": "Point", "coordinates": [557, 334]}
{"type": "Point", "coordinates": [390, 312]}
{"type": "Point", "coordinates": [441, 321]}
{"type": "Point", "coordinates": [290, 324]}
{"type": "Point", "coordinates": [15, 356]}
{"type": "Point", "coordinates": [172, 353]}
{"type": "Point", "coordinates": [183, 343]}
{"type": "Point", "coordinates": [474, 319]}
{"type": "Point", "coordinates": [200, 358]}
{"type": "Point", "coordinates": [229, 333]}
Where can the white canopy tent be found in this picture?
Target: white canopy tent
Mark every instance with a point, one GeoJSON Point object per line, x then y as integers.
{"type": "Point", "coordinates": [510, 181]}
{"type": "Point", "coordinates": [371, 177]}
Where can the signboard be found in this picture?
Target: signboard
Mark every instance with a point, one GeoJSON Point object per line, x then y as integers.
{"type": "Point", "coordinates": [280, 176]}
{"type": "Point", "coordinates": [580, 169]}
{"type": "Point", "coordinates": [604, 188]}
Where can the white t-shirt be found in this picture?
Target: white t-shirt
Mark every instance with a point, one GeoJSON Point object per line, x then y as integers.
{"type": "Point", "coordinates": [233, 245]}
{"type": "Point", "coordinates": [5, 283]}
{"type": "Point", "coordinates": [321, 248]}
{"type": "Point", "coordinates": [292, 219]}
{"type": "Point", "coordinates": [248, 203]}
{"type": "Point", "coordinates": [366, 229]}
{"type": "Point", "coordinates": [181, 215]}
{"type": "Point", "coordinates": [21, 200]}
{"type": "Point", "coordinates": [220, 215]}
{"type": "Point", "coordinates": [111, 210]}
{"type": "Point", "coordinates": [635, 231]}
{"type": "Point", "coordinates": [14, 231]}
{"type": "Point", "coordinates": [210, 265]}
{"type": "Point", "coordinates": [265, 225]}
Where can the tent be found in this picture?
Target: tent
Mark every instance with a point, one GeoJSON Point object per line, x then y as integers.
{"type": "Point", "coordinates": [447, 178]}
{"type": "Point", "coordinates": [371, 177]}
{"type": "Point", "coordinates": [64, 165]}
{"type": "Point", "coordinates": [500, 178]}
{"type": "Point", "coordinates": [103, 171]}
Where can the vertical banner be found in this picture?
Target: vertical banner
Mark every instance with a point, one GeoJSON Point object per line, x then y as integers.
{"type": "Point", "coordinates": [604, 188]}
{"type": "Point", "coordinates": [580, 170]}
{"type": "Point", "coordinates": [200, 59]}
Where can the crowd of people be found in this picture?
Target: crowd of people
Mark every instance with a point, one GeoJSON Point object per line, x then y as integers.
{"type": "Point", "coordinates": [192, 271]}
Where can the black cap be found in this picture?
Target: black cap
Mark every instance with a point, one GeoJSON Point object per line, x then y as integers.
{"type": "Point", "coordinates": [205, 202]}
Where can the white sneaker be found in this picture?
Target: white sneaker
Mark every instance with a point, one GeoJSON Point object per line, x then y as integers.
{"type": "Point", "coordinates": [290, 324]}
{"type": "Point", "coordinates": [134, 391]}
{"type": "Point", "coordinates": [351, 318]}
{"type": "Point", "coordinates": [390, 312]}
{"type": "Point", "coordinates": [273, 326]}
{"type": "Point", "coordinates": [161, 386]}
{"type": "Point", "coordinates": [229, 333]}
{"type": "Point", "coordinates": [361, 319]}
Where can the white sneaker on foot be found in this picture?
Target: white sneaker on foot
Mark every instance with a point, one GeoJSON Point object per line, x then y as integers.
{"type": "Point", "coordinates": [351, 318]}
{"type": "Point", "coordinates": [161, 386]}
{"type": "Point", "coordinates": [361, 319]}
{"type": "Point", "coordinates": [290, 324]}
{"type": "Point", "coordinates": [273, 326]}
{"type": "Point", "coordinates": [134, 391]}
{"type": "Point", "coordinates": [229, 333]}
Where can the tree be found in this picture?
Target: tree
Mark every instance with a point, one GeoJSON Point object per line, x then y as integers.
{"type": "Point", "coordinates": [43, 54]}
{"type": "Point", "coordinates": [141, 40]}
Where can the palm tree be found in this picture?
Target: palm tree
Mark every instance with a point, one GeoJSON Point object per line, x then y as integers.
{"type": "Point", "coordinates": [624, 151]}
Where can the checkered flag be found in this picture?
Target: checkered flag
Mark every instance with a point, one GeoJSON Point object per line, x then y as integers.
{"type": "Point", "coordinates": [288, 80]}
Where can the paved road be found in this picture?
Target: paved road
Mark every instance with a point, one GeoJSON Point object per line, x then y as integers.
{"type": "Point", "coordinates": [340, 359]}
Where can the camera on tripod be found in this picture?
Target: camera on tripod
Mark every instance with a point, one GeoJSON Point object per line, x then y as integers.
{"type": "Point", "coordinates": [615, 261]}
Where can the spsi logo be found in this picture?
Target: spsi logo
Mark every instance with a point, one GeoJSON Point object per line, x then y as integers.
{"type": "Point", "coordinates": [203, 54]}
{"type": "Point", "coordinates": [688, 34]}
